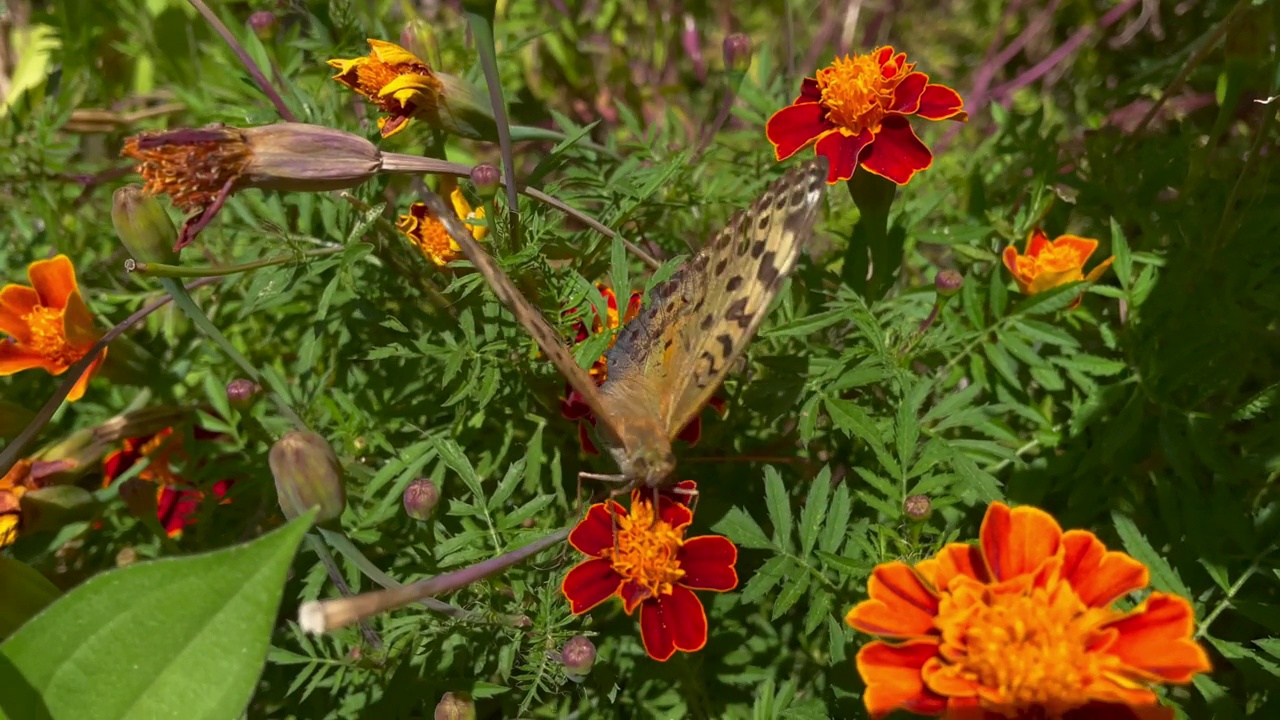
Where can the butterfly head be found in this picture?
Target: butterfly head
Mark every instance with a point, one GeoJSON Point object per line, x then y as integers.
{"type": "Point", "coordinates": [643, 455]}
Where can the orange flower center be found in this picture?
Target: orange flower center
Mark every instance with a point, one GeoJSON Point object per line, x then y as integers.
{"type": "Point", "coordinates": [191, 166]}
{"type": "Point", "coordinates": [1024, 651]}
{"type": "Point", "coordinates": [432, 239]}
{"type": "Point", "coordinates": [647, 550]}
{"type": "Point", "coordinates": [161, 449]}
{"type": "Point", "coordinates": [49, 337]}
{"type": "Point", "coordinates": [856, 93]}
{"type": "Point", "coordinates": [1055, 259]}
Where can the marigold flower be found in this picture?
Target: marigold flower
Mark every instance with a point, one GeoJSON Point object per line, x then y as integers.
{"type": "Point", "coordinates": [855, 112]}
{"type": "Point", "coordinates": [48, 324]}
{"type": "Point", "coordinates": [12, 487]}
{"type": "Point", "coordinates": [178, 501]}
{"type": "Point", "coordinates": [395, 80]}
{"type": "Point", "coordinates": [1022, 625]}
{"type": "Point", "coordinates": [1047, 265]}
{"type": "Point", "coordinates": [650, 565]}
{"type": "Point", "coordinates": [426, 231]}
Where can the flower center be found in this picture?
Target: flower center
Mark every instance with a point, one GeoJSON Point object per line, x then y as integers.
{"type": "Point", "coordinates": [1025, 650]}
{"type": "Point", "coordinates": [161, 450]}
{"type": "Point", "coordinates": [647, 550]}
{"type": "Point", "coordinates": [857, 91]}
{"type": "Point", "coordinates": [49, 337]}
{"type": "Point", "coordinates": [190, 166]}
{"type": "Point", "coordinates": [1058, 259]}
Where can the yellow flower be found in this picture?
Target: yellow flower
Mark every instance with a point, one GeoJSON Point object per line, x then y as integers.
{"type": "Point", "coordinates": [395, 80]}
{"type": "Point", "coordinates": [426, 231]}
{"type": "Point", "coordinates": [1047, 265]}
{"type": "Point", "coordinates": [48, 324]}
{"type": "Point", "coordinates": [12, 487]}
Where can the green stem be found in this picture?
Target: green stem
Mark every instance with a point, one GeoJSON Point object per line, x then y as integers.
{"type": "Point", "coordinates": [480, 18]}
{"type": "Point", "coordinates": [174, 271]}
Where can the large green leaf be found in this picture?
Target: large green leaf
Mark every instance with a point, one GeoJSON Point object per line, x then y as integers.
{"type": "Point", "coordinates": [181, 638]}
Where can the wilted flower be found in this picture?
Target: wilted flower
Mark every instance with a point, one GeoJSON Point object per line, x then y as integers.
{"type": "Point", "coordinates": [307, 475]}
{"type": "Point", "coordinates": [426, 231]}
{"type": "Point", "coordinates": [455, 706]}
{"type": "Point", "coordinates": [1022, 625]}
{"type": "Point", "coordinates": [650, 565]}
{"type": "Point", "coordinates": [175, 500]}
{"type": "Point", "coordinates": [13, 486]}
{"type": "Point", "coordinates": [737, 52]}
{"type": "Point", "coordinates": [263, 23]}
{"type": "Point", "coordinates": [854, 112]}
{"type": "Point", "coordinates": [48, 324]}
{"type": "Point", "coordinates": [420, 498]}
{"type": "Point", "coordinates": [1047, 265]}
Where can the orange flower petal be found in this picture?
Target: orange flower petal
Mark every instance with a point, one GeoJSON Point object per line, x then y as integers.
{"type": "Point", "coordinates": [1099, 577]}
{"type": "Point", "coordinates": [1037, 241]}
{"type": "Point", "coordinates": [589, 584]}
{"type": "Point", "coordinates": [893, 678]}
{"type": "Point", "coordinates": [954, 560]}
{"type": "Point", "coordinates": [1156, 638]}
{"type": "Point", "coordinates": [16, 302]}
{"type": "Point", "coordinates": [1083, 247]}
{"type": "Point", "coordinates": [939, 102]}
{"type": "Point", "coordinates": [1016, 542]}
{"type": "Point", "coordinates": [708, 562]}
{"type": "Point", "coordinates": [842, 152]}
{"type": "Point", "coordinates": [54, 279]}
{"type": "Point", "coordinates": [897, 154]}
{"type": "Point", "coordinates": [595, 531]}
{"type": "Point", "coordinates": [1116, 711]}
{"type": "Point", "coordinates": [794, 127]}
{"type": "Point", "coordinates": [1096, 273]}
{"type": "Point", "coordinates": [1050, 279]}
{"type": "Point", "coordinates": [82, 383]}
{"type": "Point", "coordinates": [673, 622]}
{"type": "Point", "coordinates": [15, 358]}
{"type": "Point", "coordinates": [77, 323]}
{"type": "Point", "coordinates": [899, 604]}
{"type": "Point", "coordinates": [1010, 258]}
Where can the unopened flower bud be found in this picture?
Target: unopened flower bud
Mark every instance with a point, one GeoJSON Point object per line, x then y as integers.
{"type": "Point", "coordinates": [948, 283]}
{"type": "Point", "coordinates": [419, 38]}
{"type": "Point", "coordinates": [737, 52]}
{"type": "Point", "coordinates": [263, 23]}
{"type": "Point", "coordinates": [578, 655]}
{"type": "Point", "coordinates": [455, 706]}
{"type": "Point", "coordinates": [241, 393]}
{"type": "Point", "coordinates": [486, 177]}
{"type": "Point", "coordinates": [307, 475]}
{"type": "Point", "coordinates": [143, 225]}
{"type": "Point", "coordinates": [420, 499]}
{"type": "Point", "coordinates": [140, 497]}
{"type": "Point", "coordinates": [917, 507]}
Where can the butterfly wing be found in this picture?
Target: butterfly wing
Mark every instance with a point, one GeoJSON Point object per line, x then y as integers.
{"type": "Point", "coordinates": [551, 344]}
{"type": "Point", "coordinates": [700, 320]}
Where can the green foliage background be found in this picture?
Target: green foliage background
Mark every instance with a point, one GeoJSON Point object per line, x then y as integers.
{"type": "Point", "coordinates": [1147, 415]}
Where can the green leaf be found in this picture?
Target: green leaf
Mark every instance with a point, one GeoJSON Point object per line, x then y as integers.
{"type": "Point", "coordinates": [26, 592]}
{"type": "Point", "coordinates": [796, 582]}
{"type": "Point", "coordinates": [837, 524]}
{"type": "Point", "coordinates": [815, 510]}
{"type": "Point", "coordinates": [775, 496]}
{"type": "Point", "coordinates": [1163, 576]}
{"type": "Point", "coordinates": [763, 580]}
{"type": "Point", "coordinates": [1123, 255]}
{"type": "Point", "coordinates": [739, 527]}
{"type": "Point", "coordinates": [183, 637]}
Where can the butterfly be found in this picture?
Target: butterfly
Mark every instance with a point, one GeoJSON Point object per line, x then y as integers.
{"type": "Point", "coordinates": [670, 359]}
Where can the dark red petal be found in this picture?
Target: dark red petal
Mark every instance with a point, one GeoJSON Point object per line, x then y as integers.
{"type": "Point", "coordinates": [794, 127]}
{"type": "Point", "coordinates": [632, 595]}
{"type": "Point", "coordinates": [682, 492]}
{"type": "Point", "coordinates": [673, 622]}
{"type": "Point", "coordinates": [809, 91]}
{"type": "Point", "coordinates": [691, 432]}
{"type": "Point", "coordinates": [595, 531]}
{"type": "Point", "coordinates": [842, 153]}
{"type": "Point", "coordinates": [584, 437]}
{"type": "Point", "coordinates": [708, 563]}
{"type": "Point", "coordinates": [897, 154]}
{"type": "Point", "coordinates": [939, 102]}
{"type": "Point", "coordinates": [589, 584]}
{"type": "Point", "coordinates": [718, 404]}
{"type": "Point", "coordinates": [676, 514]}
{"type": "Point", "coordinates": [1116, 711]}
{"type": "Point", "coordinates": [906, 97]}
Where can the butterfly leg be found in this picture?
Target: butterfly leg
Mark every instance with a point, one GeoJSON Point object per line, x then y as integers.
{"type": "Point", "coordinates": [693, 508]}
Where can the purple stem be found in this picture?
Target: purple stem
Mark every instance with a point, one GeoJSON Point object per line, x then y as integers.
{"type": "Point", "coordinates": [245, 60]}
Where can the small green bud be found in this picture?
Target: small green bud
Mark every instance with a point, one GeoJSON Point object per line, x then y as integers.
{"type": "Point", "coordinates": [455, 706]}
{"type": "Point", "coordinates": [420, 499]}
{"type": "Point", "coordinates": [143, 226]}
{"type": "Point", "coordinates": [241, 393]}
{"type": "Point", "coordinates": [948, 283]}
{"type": "Point", "coordinates": [737, 52]}
{"type": "Point", "coordinates": [578, 655]}
{"type": "Point", "coordinates": [917, 507]}
{"type": "Point", "coordinates": [307, 475]}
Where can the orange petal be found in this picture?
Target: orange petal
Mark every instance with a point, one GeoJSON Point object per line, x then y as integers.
{"type": "Point", "coordinates": [1117, 711]}
{"type": "Point", "coordinates": [15, 358]}
{"type": "Point", "coordinates": [899, 604]}
{"type": "Point", "coordinates": [1050, 279]}
{"type": "Point", "coordinates": [940, 102]}
{"type": "Point", "coordinates": [954, 560]}
{"type": "Point", "coordinates": [16, 302]}
{"type": "Point", "coordinates": [892, 674]}
{"type": "Point", "coordinates": [1097, 576]}
{"type": "Point", "coordinates": [794, 127]}
{"type": "Point", "coordinates": [1016, 542]}
{"type": "Point", "coordinates": [82, 383]}
{"type": "Point", "coordinates": [77, 323]}
{"type": "Point", "coordinates": [1037, 241]}
{"type": "Point", "coordinates": [54, 279]}
{"type": "Point", "coordinates": [1156, 639]}
{"type": "Point", "coordinates": [590, 583]}
{"type": "Point", "coordinates": [1096, 273]}
{"type": "Point", "coordinates": [1083, 247]}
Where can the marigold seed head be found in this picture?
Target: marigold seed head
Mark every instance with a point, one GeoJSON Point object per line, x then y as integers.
{"type": "Point", "coordinates": [420, 499]}
{"type": "Point", "coordinates": [308, 158]}
{"type": "Point", "coordinates": [737, 52]}
{"type": "Point", "coordinates": [948, 283]}
{"type": "Point", "coordinates": [917, 507]}
{"type": "Point", "coordinates": [241, 393]}
{"type": "Point", "coordinates": [578, 655]}
{"type": "Point", "coordinates": [486, 177]}
{"type": "Point", "coordinates": [143, 225]}
{"type": "Point", "coordinates": [307, 475]}
{"type": "Point", "coordinates": [455, 706]}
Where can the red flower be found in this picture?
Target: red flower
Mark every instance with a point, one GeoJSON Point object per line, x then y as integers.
{"type": "Point", "coordinates": [1022, 626]}
{"type": "Point", "coordinates": [855, 112]}
{"type": "Point", "coordinates": [650, 565]}
{"type": "Point", "coordinates": [177, 499]}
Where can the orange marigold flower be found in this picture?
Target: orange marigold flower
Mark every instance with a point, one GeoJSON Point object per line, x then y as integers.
{"type": "Point", "coordinates": [1022, 625]}
{"type": "Point", "coordinates": [12, 487]}
{"type": "Point", "coordinates": [854, 112]}
{"type": "Point", "coordinates": [178, 501]}
{"type": "Point", "coordinates": [48, 324]}
{"type": "Point", "coordinates": [426, 231]}
{"type": "Point", "coordinates": [1047, 265]}
{"type": "Point", "coordinates": [395, 80]}
{"type": "Point", "coordinates": [652, 566]}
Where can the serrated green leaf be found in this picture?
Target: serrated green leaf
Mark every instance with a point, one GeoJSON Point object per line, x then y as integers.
{"type": "Point", "coordinates": [764, 579]}
{"type": "Point", "coordinates": [815, 510]}
{"type": "Point", "coordinates": [836, 526]}
{"type": "Point", "coordinates": [779, 506]}
{"type": "Point", "coordinates": [739, 527]}
{"type": "Point", "coordinates": [1163, 576]}
{"type": "Point", "coordinates": [793, 587]}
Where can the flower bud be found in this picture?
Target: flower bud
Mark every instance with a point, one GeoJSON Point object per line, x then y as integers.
{"type": "Point", "coordinates": [486, 177]}
{"type": "Point", "coordinates": [53, 507]}
{"type": "Point", "coordinates": [948, 283]}
{"type": "Point", "coordinates": [578, 655]}
{"type": "Point", "coordinates": [143, 225]}
{"type": "Point", "coordinates": [917, 507]}
{"type": "Point", "coordinates": [263, 23]}
{"type": "Point", "coordinates": [455, 706]}
{"type": "Point", "coordinates": [241, 393]}
{"type": "Point", "coordinates": [308, 158]}
{"type": "Point", "coordinates": [462, 110]}
{"type": "Point", "coordinates": [419, 38]}
{"type": "Point", "coordinates": [737, 52]}
{"type": "Point", "coordinates": [420, 499]}
{"type": "Point", "coordinates": [307, 475]}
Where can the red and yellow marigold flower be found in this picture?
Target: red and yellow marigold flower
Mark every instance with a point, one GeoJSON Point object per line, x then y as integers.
{"type": "Point", "coordinates": [1047, 265]}
{"type": "Point", "coordinates": [1022, 625]}
{"type": "Point", "coordinates": [854, 112]}
{"type": "Point", "coordinates": [395, 80]}
{"type": "Point", "coordinates": [651, 565]}
{"type": "Point", "coordinates": [48, 324]}
{"type": "Point", "coordinates": [428, 234]}
{"type": "Point", "coordinates": [13, 486]}
{"type": "Point", "coordinates": [178, 500]}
